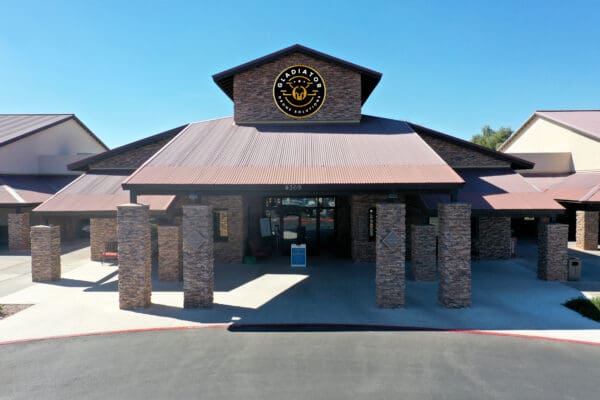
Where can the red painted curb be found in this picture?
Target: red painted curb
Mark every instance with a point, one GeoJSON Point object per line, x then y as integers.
{"type": "Point", "coordinates": [366, 327]}
{"type": "Point", "coordinates": [138, 330]}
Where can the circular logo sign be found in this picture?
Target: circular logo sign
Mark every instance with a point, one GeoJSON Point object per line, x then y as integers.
{"type": "Point", "coordinates": [299, 91]}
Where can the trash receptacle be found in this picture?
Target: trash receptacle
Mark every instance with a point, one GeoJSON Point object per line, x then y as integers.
{"type": "Point", "coordinates": [574, 269]}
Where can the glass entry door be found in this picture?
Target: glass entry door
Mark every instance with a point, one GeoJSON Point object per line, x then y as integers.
{"type": "Point", "coordinates": [309, 220]}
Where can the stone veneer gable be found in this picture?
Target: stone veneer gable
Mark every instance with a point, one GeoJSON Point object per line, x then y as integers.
{"type": "Point", "coordinates": [253, 92]}
{"type": "Point", "coordinates": [461, 156]}
{"type": "Point", "coordinates": [131, 159]}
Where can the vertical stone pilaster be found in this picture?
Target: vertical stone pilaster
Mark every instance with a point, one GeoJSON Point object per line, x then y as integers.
{"type": "Point", "coordinates": [494, 237]}
{"type": "Point", "coordinates": [135, 264]}
{"type": "Point", "coordinates": [454, 255]}
{"type": "Point", "coordinates": [587, 230]}
{"type": "Point", "coordinates": [169, 253]}
{"type": "Point", "coordinates": [363, 250]}
{"type": "Point", "coordinates": [552, 252]}
{"type": "Point", "coordinates": [102, 231]}
{"type": "Point", "coordinates": [18, 231]}
{"type": "Point", "coordinates": [423, 252]}
{"type": "Point", "coordinates": [390, 255]}
{"type": "Point", "coordinates": [198, 259]}
{"type": "Point", "coordinates": [45, 253]}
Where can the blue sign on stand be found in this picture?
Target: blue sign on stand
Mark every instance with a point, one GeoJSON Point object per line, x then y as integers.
{"type": "Point", "coordinates": [298, 255]}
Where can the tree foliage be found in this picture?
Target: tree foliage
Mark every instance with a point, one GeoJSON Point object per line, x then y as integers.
{"type": "Point", "coordinates": [490, 138]}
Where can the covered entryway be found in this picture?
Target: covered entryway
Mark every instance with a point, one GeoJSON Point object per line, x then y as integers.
{"type": "Point", "coordinates": [311, 220]}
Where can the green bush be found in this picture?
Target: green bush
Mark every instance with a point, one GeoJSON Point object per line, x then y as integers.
{"type": "Point", "coordinates": [589, 308]}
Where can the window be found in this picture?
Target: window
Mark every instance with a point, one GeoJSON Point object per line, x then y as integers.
{"type": "Point", "coordinates": [221, 233]}
{"type": "Point", "coordinates": [372, 223]}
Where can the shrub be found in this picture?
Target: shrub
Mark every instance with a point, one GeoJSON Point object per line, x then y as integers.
{"type": "Point", "coordinates": [589, 308]}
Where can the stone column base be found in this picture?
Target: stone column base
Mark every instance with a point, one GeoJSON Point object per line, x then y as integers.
{"type": "Point", "coordinates": [198, 259]}
{"type": "Point", "coordinates": [587, 230]}
{"type": "Point", "coordinates": [390, 248]}
{"type": "Point", "coordinates": [423, 252]}
{"type": "Point", "coordinates": [169, 253]}
{"type": "Point", "coordinates": [494, 238]}
{"type": "Point", "coordinates": [45, 253]}
{"type": "Point", "coordinates": [18, 232]}
{"type": "Point", "coordinates": [454, 255]}
{"type": "Point", "coordinates": [102, 231]}
{"type": "Point", "coordinates": [552, 252]}
{"type": "Point", "coordinates": [135, 264]}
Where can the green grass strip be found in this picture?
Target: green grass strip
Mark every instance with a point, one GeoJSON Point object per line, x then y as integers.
{"type": "Point", "coordinates": [589, 308]}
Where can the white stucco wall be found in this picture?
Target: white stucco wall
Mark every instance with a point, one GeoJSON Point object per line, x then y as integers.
{"type": "Point", "coordinates": [542, 136]}
{"type": "Point", "coordinates": [48, 151]}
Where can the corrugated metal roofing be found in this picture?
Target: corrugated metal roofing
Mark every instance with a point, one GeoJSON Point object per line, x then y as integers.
{"type": "Point", "coordinates": [93, 192]}
{"type": "Point", "coordinates": [219, 152]}
{"type": "Point", "coordinates": [30, 189]}
{"type": "Point", "coordinates": [13, 126]}
{"type": "Point", "coordinates": [500, 190]}
{"type": "Point", "coordinates": [581, 187]}
{"type": "Point", "coordinates": [586, 121]}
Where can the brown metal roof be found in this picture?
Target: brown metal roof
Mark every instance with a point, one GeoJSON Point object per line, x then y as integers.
{"type": "Point", "coordinates": [369, 78]}
{"type": "Point", "coordinates": [18, 190]}
{"type": "Point", "coordinates": [14, 127]}
{"type": "Point", "coordinates": [584, 121]}
{"type": "Point", "coordinates": [498, 190]}
{"type": "Point", "coordinates": [581, 187]}
{"type": "Point", "coordinates": [96, 193]}
{"type": "Point", "coordinates": [219, 152]}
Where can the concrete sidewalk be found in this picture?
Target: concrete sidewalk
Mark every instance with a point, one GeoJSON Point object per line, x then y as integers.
{"type": "Point", "coordinates": [507, 298]}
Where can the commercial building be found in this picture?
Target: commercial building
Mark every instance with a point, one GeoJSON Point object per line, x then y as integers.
{"type": "Point", "coordinates": [299, 162]}
{"type": "Point", "coordinates": [34, 152]}
{"type": "Point", "coordinates": [565, 146]}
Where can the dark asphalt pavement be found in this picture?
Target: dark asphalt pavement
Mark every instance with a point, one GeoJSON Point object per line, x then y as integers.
{"type": "Point", "coordinates": [219, 364]}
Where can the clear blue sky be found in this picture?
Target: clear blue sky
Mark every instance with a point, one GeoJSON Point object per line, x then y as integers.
{"type": "Point", "coordinates": [130, 69]}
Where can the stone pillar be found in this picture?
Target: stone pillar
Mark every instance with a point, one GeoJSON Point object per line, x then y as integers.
{"type": "Point", "coordinates": [102, 231]}
{"type": "Point", "coordinates": [45, 253]}
{"type": "Point", "coordinates": [552, 252]}
{"type": "Point", "coordinates": [454, 255]}
{"type": "Point", "coordinates": [390, 252]}
{"type": "Point", "coordinates": [494, 237]}
{"type": "Point", "coordinates": [198, 259]}
{"type": "Point", "coordinates": [587, 230]}
{"type": "Point", "coordinates": [423, 252]}
{"type": "Point", "coordinates": [170, 262]}
{"type": "Point", "coordinates": [135, 264]}
{"type": "Point", "coordinates": [18, 231]}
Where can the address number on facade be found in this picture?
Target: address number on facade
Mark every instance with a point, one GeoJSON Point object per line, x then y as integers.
{"type": "Point", "coordinates": [293, 188]}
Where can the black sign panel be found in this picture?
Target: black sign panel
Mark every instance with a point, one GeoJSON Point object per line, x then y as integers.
{"type": "Point", "coordinates": [299, 91]}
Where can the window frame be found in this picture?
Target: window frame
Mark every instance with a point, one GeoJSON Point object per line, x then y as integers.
{"type": "Point", "coordinates": [217, 213]}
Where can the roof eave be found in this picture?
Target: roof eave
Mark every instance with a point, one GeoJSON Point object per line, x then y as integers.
{"type": "Point", "coordinates": [42, 128]}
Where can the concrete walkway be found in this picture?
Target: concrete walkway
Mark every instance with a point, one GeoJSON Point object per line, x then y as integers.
{"type": "Point", "coordinates": [507, 298]}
